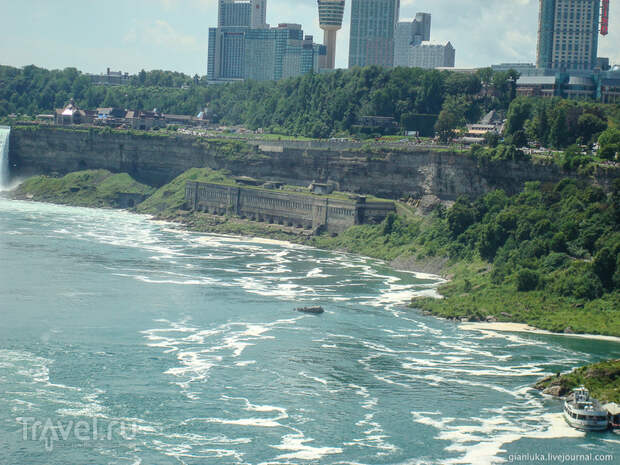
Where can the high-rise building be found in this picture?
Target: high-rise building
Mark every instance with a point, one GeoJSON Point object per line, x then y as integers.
{"type": "Point", "coordinates": [429, 56]}
{"type": "Point", "coordinates": [227, 41]}
{"type": "Point", "coordinates": [313, 56]}
{"type": "Point", "coordinates": [259, 14]}
{"type": "Point", "coordinates": [331, 13]}
{"type": "Point", "coordinates": [568, 34]}
{"type": "Point", "coordinates": [226, 52]}
{"type": "Point", "coordinates": [244, 13]}
{"type": "Point", "coordinates": [408, 34]}
{"type": "Point", "coordinates": [373, 23]}
{"type": "Point", "coordinates": [280, 52]}
{"type": "Point", "coordinates": [234, 13]}
{"type": "Point", "coordinates": [403, 40]}
{"type": "Point", "coordinates": [422, 27]}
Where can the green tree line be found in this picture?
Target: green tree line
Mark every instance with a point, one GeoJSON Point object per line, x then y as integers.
{"type": "Point", "coordinates": [560, 123]}
{"type": "Point", "coordinates": [315, 105]}
{"type": "Point", "coordinates": [549, 256]}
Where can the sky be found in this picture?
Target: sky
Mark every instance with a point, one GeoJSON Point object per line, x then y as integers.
{"type": "Point", "coordinates": [131, 35]}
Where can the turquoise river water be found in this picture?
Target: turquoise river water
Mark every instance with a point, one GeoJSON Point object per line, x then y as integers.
{"type": "Point", "coordinates": [128, 341]}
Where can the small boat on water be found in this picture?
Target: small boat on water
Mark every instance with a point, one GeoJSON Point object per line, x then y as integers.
{"type": "Point", "coordinates": [317, 310]}
{"type": "Point", "coordinates": [584, 412]}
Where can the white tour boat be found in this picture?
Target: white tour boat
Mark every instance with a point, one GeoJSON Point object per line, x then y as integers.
{"type": "Point", "coordinates": [585, 413]}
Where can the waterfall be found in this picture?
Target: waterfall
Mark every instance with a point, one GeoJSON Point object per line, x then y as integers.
{"type": "Point", "coordinates": [5, 132]}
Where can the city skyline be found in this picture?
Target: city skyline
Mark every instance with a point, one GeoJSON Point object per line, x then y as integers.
{"type": "Point", "coordinates": [173, 34]}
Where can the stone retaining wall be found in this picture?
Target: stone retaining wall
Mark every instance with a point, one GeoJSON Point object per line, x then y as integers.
{"type": "Point", "coordinates": [304, 211]}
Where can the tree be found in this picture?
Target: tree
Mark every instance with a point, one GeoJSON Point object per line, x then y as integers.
{"type": "Point", "coordinates": [609, 143]}
{"type": "Point", "coordinates": [558, 133]}
{"type": "Point", "coordinates": [491, 139]}
{"type": "Point", "coordinates": [518, 139]}
{"type": "Point", "coordinates": [604, 266]}
{"type": "Point", "coordinates": [537, 128]}
{"type": "Point", "coordinates": [589, 126]}
{"type": "Point", "coordinates": [518, 113]}
{"type": "Point", "coordinates": [446, 124]}
{"type": "Point", "coordinates": [460, 217]}
{"type": "Point", "coordinates": [453, 116]}
{"type": "Point", "coordinates": [527, 280]}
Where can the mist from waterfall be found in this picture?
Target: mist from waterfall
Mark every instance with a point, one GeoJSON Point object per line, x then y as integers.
{"type": "Point", "coordinates": [5, 132]}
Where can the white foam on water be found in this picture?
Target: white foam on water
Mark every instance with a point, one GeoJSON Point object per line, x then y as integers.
{"type": "Point", "coordinates": [245, 363]}
{"type": "Point", "coordinates": [199, 351]}
{"type": "Point", "coordinates": [612, 441]}
{"type": "Point", "coordinates": [317, 273]}
{"type": "Point", "coordinates": [482, 439]}
{"type": "Point", "coordinates": [313, 378]}
{"type": "Point", "coordinates": [297, 449]}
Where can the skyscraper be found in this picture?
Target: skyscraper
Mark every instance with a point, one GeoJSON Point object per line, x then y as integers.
{"type": "Point", "coordinates": [373, 23]}
{"type": "Point", "coordinates": [244, 13]}
{"type": "Point", "coordinates": [429, 55]}
{"type": "Point", "coordinates": [422, 27]}
{"type": "Point", "coordinates": [330, 20]}
{"type": "Point", "coordinates": [568, 34]}
{"type": "Point", "coordinates": [409, 34]}
{"type": "Point", "coordinates": [227, 41]}
{"type": "Point", "coordinates": [259, 14]}
{"type": "Point", "coordinates": [280, 52]}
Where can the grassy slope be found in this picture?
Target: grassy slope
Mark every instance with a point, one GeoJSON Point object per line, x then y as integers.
{"type": "Point", "coordinates": [601, 379]}
{"type": "Point", "coordinates": [168, 199]}
{"type": "Point", "coordinates": [471, 293]}
{"type": "Point", "coordinates": [93, 188]}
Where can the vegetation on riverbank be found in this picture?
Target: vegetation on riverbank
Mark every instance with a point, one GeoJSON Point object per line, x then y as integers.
{"type": "Point", "coordinates": [601, 379]}
{"type": "Point", "coordinates": [92, 188]}
{"type": "Point", "coordinates": [548, 257]}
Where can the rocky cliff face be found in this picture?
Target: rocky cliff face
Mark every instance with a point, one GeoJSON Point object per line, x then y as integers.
{"type": "Point", "coordinates": [155, 160]}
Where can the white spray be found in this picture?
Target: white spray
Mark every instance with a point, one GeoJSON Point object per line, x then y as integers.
{"type": "Point", "coordinates": [5, 132]}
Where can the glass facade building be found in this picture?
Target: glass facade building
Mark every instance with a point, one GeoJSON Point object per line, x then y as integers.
{"type": "Point", "coordinates": [227, 41]}
{"type": "Point", "coordinates": [373, 23]}
{"type": "Point", "coordinates": [568, 34]}
{"type": "Point", "coordinates": [244, 47]}
{"type": "Point", "coordinates": [408, 34]}
{"type": "Point", "coordinates": [244, 13]}
{"type": "Point", "coordinates": [279, 53]}
{"type": "Point", "coordinates": [234, 13]}
{"type": "Point", "coordinates": [226, 53]}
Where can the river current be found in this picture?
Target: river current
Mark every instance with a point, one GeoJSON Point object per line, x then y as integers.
{"type": "Point", "coordinates": [128, 341]}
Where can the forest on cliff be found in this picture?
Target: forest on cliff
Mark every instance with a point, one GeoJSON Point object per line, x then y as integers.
{"type": "Point", "coordinates": [314, 105]}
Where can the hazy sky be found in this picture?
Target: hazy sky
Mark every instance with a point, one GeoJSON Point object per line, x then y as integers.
{"type": "Point", "coordinates": [130, 35]}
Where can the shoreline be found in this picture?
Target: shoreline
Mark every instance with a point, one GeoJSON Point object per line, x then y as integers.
{"type": "Point", "coordinates": [527, 329]}
{"type": "Point", "coordinates": [436, 269]}
{"type": "Point", "coordinates": [275, 234]}
{"type": "Point", "coordinates": [432, 292]}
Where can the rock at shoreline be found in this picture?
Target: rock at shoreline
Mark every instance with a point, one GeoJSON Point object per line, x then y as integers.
{"type": "Point", "coordinates": [553, 386]}
{"type": "Point", "coordinates": [602, 380]}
